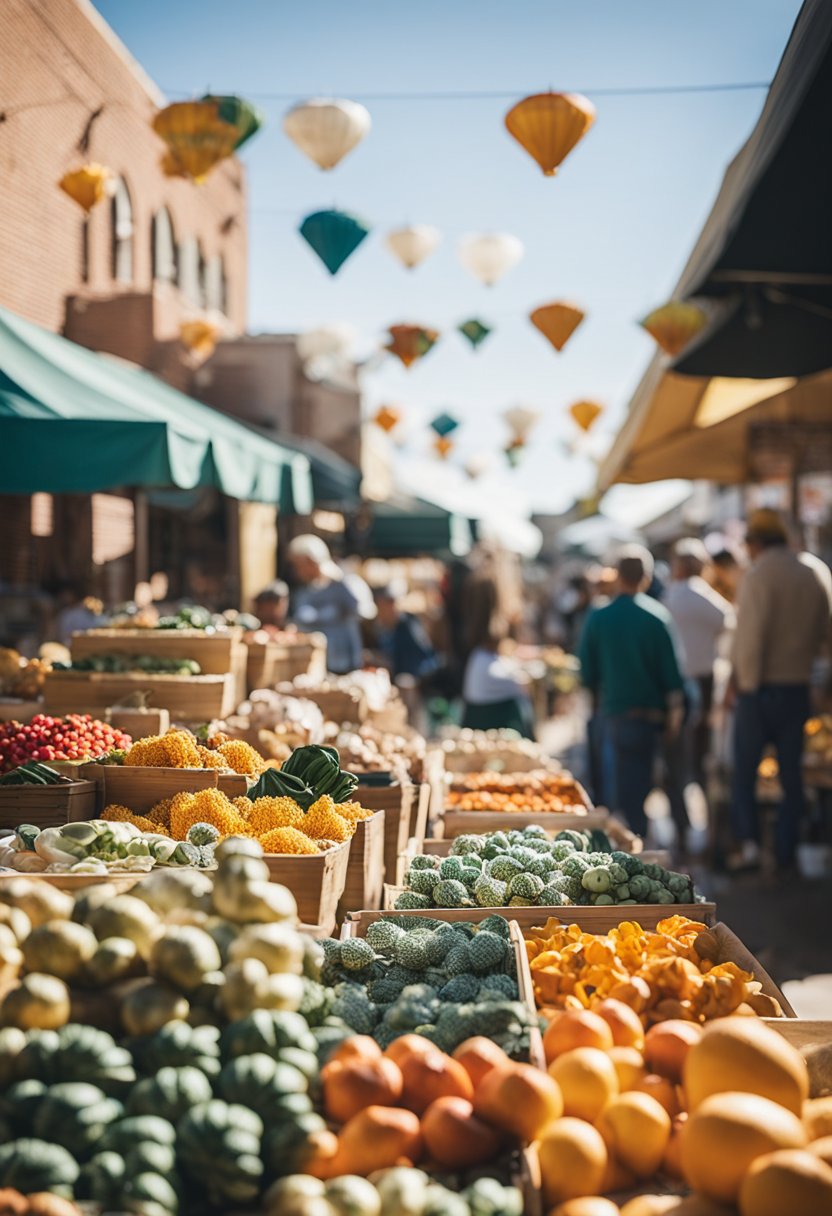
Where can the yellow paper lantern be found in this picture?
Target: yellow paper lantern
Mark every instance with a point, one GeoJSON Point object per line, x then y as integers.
{"type": "Point", "coordinates": [199, 336]}
{"type": "Point", "coordinates": [86, 186]}
{"type": "Point", "coordinates": [387, 417]}
{"type": "Point", "coordinates": [674, 325]}
{"type": "Point", "coordinates": [549, 125]}
{"type": "Point", "coordinates": [443, 446]}
{"type": "Point", "coordinates": [586, 413]}
{"type": "Point", "coordinates": [196, 137]}
{"type": "Point", "coordinates": [557, 322]}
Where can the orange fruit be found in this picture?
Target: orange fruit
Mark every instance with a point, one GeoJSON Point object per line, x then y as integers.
{"type": "Point", "coordinates": [662, 1090]}
{"type": "Point", "coordinates": [623, 1021]}
{"type": "Point", "coordinates": [572, 1158]}
{"type": "Point", "coordinates": [478, 1056]}
{"type": "Point", "coordinates": [408, 1045]}
{"type": "Point", "coordinates": [455, 1137]}
{"type": "Point", "coordinates": [672, 1163]}
{"type": "Point", "coordinates": [358, 1047]}
{"type": "Point", "coordinates": [650, 1205]}
{"type": "Point", "coordinates": [520, 1100]}
{"type": "Point", "coordinates": [745, 1056]}
{"type": "Point", "coordinates": [822, 1148]}
{"type": "Point", "coordinates": [636, 1129]}
{"type": "Point", "coordinates": [587, 1080]}
{"type": "Point", "coordinates": [728, 1132]}
{"type": "Point", "coordinates": [666, 1046]}
{"type": "Point", "coordinates": [791, 1181]}
{"type": "Point", "coordinates": [576, 1028]}
{"type": "Point", "coordinates": [617, 1177]}
{"type": "Point", "coordinates": [817, 1116]}
{"type": "Point", "coordinates": [591, 1205]}
{"type": "Point", "coordinates": [629, 1064]}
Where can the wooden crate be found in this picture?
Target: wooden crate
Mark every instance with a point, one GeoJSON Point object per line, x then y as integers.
{"type": "Point", "coordinates": [75, 882]}
{"type": "Point", "coordinates": [216, 653]}
{"type": "Point", "coordinates": [12, 709]}
{"type": "Point", "coordinates": [813, 1039]}
{"type": "Point", "coordinates": [396, 801]}
{"type": "Point", "coordinates": [187, 698]}
{"type": "Point", "coordinates": [442, 848]}
{"type": "Point", "coordinates": [47, 806]}
{"type": "Point", "coordinates": [316, 881]}
{"type": "Point", "coordinates": [356, 924]}
{"type": "Point", "coordinates": [337, 705]}
{"type": "Point", "coordinates": [270, 663]}
{"type": "Point", "coordinates": [365, 872]}
{"type": "Point", "coordinates": [140, 723]}
{"type": "Point", "coordinates": [419, 808]}
{"type": "Point", "coordinates": [733, 950]}
{"type": "Point", "coordinates": [590, 918]}
{"type": "Point", "coordinates": [433, 771]}
{"type": "Point", "coordinates": [459, 823]}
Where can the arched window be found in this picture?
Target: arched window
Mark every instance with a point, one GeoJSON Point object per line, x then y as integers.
{"type": "Point", "coordinates": [189, 271]}
{"type": "Point", "coordinates": [163, 248]}
{"type": "Point", "coordinates": [201, 275]}
{"type": "Point", "coordinates": [122, 226]}
{"type": "Point", "coordinates": [215, 284]}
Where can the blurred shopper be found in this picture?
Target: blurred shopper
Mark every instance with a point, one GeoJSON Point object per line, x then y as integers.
{"type": "Point", "coordinates": [782, 627]}
{"type": "Point", "coordinates": [629, 664]}
{"type": "Point", "coordinates": [401, 638]}
{"type": "Point", "coordinates": [76, 612]}
{"type": "Point", "coordinates": [495, 688]}
{"type": "Point", "coordinates": [325, 603]}
{"type": "Point", "coordinates": [724, 574]}
{"type": "Point", "coordinates": [271, 605]}
{"type": "Point", "coordinates": [700, 616]}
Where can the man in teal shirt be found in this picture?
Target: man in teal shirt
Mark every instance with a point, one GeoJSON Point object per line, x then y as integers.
{"type": "Point", "coordinates": [629, 663]}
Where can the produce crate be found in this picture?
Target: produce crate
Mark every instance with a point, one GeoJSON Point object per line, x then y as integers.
{"type": "Point", "coordinates": [813, 1039]}
{"type": "Point", "coordinates": [337, 705]}
{"type": "Point", "coordinates": [590, 918]}
{"type": "Point", "coordinates": [316, 881]}
{"type": "Point", "coordinates": [433, 771]}
{"type": "Point", "coordinates": [356, 923]}
{"type": "Point", "coordinates": [396, 801]}
{"type": "Point", "coordinates": [141, 788]}
{"type": "Point", "coordinates": [47, 806]}
{"type": "Point", "coordinates": [216, 653]}
{"type": "Point", "coordinates": [442, 848]}
{"type": "Point", "coordinates": [75, 882]}
{"type": "Point", "coordinates": [271, 663]}
{"type": "Point", "coordinates": [732, 950]}
{"type": "Point", "coordinates": [15, 710]}
{"type": "Point", "coordinates": [139, 723]}
{"type": "Point", "coordinates": [187, 698]}
{"type": "Point", "coordinates": [459, 823]}
{"type": "Point", "coordinates": [365, 872]}
{"type": "Point", "coordinates": [391, 718]}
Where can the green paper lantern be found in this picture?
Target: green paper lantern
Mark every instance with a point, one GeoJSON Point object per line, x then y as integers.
{"type": "Point", "coordinates": [239, 114]}
{"type": "Point", "coordinates": [475, 331]}
{"type": "Point", "coordinates": [444, 424]}
{"type": "Point", "coordinates": [333, 235]}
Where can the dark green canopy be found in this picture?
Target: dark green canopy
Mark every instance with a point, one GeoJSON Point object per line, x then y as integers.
{"type": "Point", "coordinates": [73, 421]}
{"type": "Point", "coordinates": [405, 527]}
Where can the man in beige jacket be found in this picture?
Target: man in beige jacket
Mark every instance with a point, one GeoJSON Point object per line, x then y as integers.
{"type": "Point", "coordinates": [783, 622]}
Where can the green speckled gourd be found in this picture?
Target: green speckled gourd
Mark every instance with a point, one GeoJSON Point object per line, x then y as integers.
{"type": "Point", "coordinates": [461, 989]}
{"type": "Point", "coordinates": [422, 881]}
{"type": "Point", "coordinates": [353, 1005]}
{"type": "Point", "coordinates": [384, 992]}
{"type": "Point", "coordinates": [526, 887]}
{"type": "Point", "coordinates": [450, 893]}
{"type": "Point", "coordinates": [505, 868]}
{"type": "Point", "coordinates": [489, 892]}
{"type": "Point", "coordinates": [315, 1002]}
{"type": "Point", "coordinates": [451, 867]}
{"type": "Point", "coordinates": [218, 1146]}
{"type": "Point", "coordinates": [425, 862]}
{"type": "Point", "coordinates": [382, 936]}
{"type": "Point", "coordinates": [412, 950]}
{"type": "Point", "coordinates": [411, 901]}
{"type": "Point", "coordinates": [498, 987]}
{"type": "Point", "coordinates": [487, 950]}
{"type": "Point", "coordinates": [170, 1093]}
{"type": "Point", "coordinates": [356, 953]}
{"type": "Point", "coordinates": [458, 960]}
{"type": "Point", "coordinates": [467, 843]}
{"type": "Point", "coordinates": [552, 897]}
{"type": "Point", "coordinates": [498, 925]}
{"type": "Point", "coordinates": [470, 877]}
{"type": "Point", "coordinates": [29, 1165]}
{"type": "Point", "coordinates": [76, 1116]}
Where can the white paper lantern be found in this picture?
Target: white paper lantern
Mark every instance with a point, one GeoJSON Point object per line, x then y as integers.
{"type": "Point", "coordinates": [326, 129]}
{"type": "Point", "coordinates": [489, 255]}
{"type": "Point", "coordinates": [326, 341]}
{"type": "Point", "coordinates": [412, 244]}
{"type": "Point", "coordinates": [520, 420]}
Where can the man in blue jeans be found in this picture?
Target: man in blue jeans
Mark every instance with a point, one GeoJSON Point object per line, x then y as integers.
{"type": "Point", "coordinates": [629, 663]}
{"type": "Point", "coordinates": [783, 616]}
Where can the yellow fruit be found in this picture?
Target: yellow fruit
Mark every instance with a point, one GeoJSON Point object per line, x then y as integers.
{"type": "Point", "coordinates": [729, 1131]}
{"type": "Point", "coordinates": [791, 1181]}
{"type": "Point", "coordinates": [822, 1148]}
{"type": "Point", "coordinates": [667, 1045]}
{"type": "Point", "coordinates": [629, 1065]}
{"type": "Point", "coordinates": [572, 1158]}
{"type": "Point", "coordinates": [636, 1129]}
{"type": "Point", "coordinates": [744, 1055]}
{"type": "Point", "coordinates": [576, 1028]}
{"type": "Point", "coordinates": [592, 1205]}
{"type": "Point", "coordinates": [623, 1021]}
{"type": "Point", "coordinates": [587, 1080]}
{"type": "Point", "coordinates": [662, 1090]}
{"type": "Point", "coordinates": [617, 1177]}
{"type": "Point", "coordinates": [672, 1163]}
{"type": "Point", "coordinates": [650, 1205]}
{"type": "Point", "coordinates": [817, 1115]}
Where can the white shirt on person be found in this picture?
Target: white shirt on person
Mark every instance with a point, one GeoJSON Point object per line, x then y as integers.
{"type": "Point", "coordinates": [700, 615]}
{"type": "Point", "coordinates": [491, 677]}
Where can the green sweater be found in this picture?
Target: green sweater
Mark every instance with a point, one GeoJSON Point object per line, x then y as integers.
{"type": "Point", "coordinates": [628, 657]}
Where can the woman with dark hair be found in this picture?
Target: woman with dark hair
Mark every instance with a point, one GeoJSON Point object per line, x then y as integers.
{"type": "Point", "coordinates": [495, 689]}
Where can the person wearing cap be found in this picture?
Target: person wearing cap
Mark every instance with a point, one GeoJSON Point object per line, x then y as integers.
{"type": "Point", "coordinates": [629, 664]}
{"type": "Point", "coordinates": [783, 616]}
{"type": "Point", "coordinates": [701, 616]}
{"type": "Point", "coordinates": [327, 602]}
{"type": "Point", "coordinates": [271, 605]}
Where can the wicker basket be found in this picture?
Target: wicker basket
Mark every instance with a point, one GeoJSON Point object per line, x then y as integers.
{"type": "Point", "coordinates": [365, 873]}
{"type": "Point", "coordinates": [316, 881]}
{"type": "Point", "coordinates": [47, 806]}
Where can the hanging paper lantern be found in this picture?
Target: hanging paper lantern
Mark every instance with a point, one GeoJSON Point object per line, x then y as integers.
{"type": "Point", "coordinates": [489, 255]}
{"type": "Point", "coordinates": [410, 342]}
{"type": "Point", "coordinates": [334, 235]}
{"type": "Point", "coordinates": [326, 129]}
{"type": "Point", "coordinates": [444, 424]}
{"type": "Point", "coordinates": [239, 114]}
{"type": "Point", "coordinates": [478, 464]}
{"type": "Point", "coordinates": [412, 244]}
{"type": "Point", "coordinates": [199, 336]}
{"type": "Point", "coordinates": [171, 167]}
{"type": "Point", "coordinates": [586, 413]}
{"type": "Point", "coordinates": [197, 137]}
{"type": "Point", "coordinates": [557, 322]}
{"type": "Point", "coordinates": [326, 341]}
{"type": "Point", "coordinates": [443, 447]}
{"type": "Point", "coordinates": [520, 421]}
{"type": "Point", "coordinates": [549, 125]}
{"type": "Point", "coordinates": [387, 417]}
{"type": "Point", "coordinates": [513, 451]}
{"type": "Point", "coordinates": [86, 186]}
{"type": "Point", "coordinates": [475, 331]}
{"type": "Point", "coordinates": [674, 325]}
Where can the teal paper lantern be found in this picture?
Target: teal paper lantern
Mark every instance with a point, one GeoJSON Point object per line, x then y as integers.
{"type": "Point", "coordinates": [475, 331]}
{"type": "Point", "coordinates": [444, 424]}
{"type": "Point", "coordinates": [237, 113]}
{"type": "Point", "coordinates": [334, 235]}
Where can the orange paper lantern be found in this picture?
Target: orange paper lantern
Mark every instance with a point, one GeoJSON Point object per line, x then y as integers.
{"type": "Point", "coordinates": [387, 417]}
{"type": "Point", "coordinates": [557, 322]}
{"type": "Point", "coordinates": [443, 446]}
{"type": "Point", "coordinates": [86, 186]}
{"type": "Point", "coordinates": [674, 325]}
{"type": "Point", "coordinates": [200, 337]}
{"type": "Point", "coordinates": [586, 413]}
{"type": "Point", "coordinates": [549, 125]}
{"type": "Point", "coordinates": [410, 342]}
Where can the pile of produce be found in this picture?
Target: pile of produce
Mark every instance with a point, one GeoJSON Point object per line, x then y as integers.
{"type": "Point", "coordinates": [367, 749]}
{"type": "Point", "coordinates": [119, 664]}
{"type": "Point", "coordinates": [21, 678]}
{"type": "Point", "coordinates": [671, 972]}
{"type": "Point", "coordinates": [278, 723]}
{"type": "Point", "coordinates": [538, 791]}
{"type": "Point", "coordinates": [400, 1191]}
{"type": "Point", "coordinates": [526, 868]}
{"type": "Point", "coordinates": [75, 737]}
{"type": "Point", "coordinates": [97, 846]}
{"type": "Point", "coordinates": [491, 751]}
{"type": "Point", "coordinates": [444, 981]}
{"type": "Point", "coordinates": [181, 749]}
{"type": "Point", "coordinates": [725, 1110]}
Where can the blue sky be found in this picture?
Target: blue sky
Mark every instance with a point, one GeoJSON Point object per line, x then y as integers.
{"type": "Point", "coordinates": [611, 231]}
